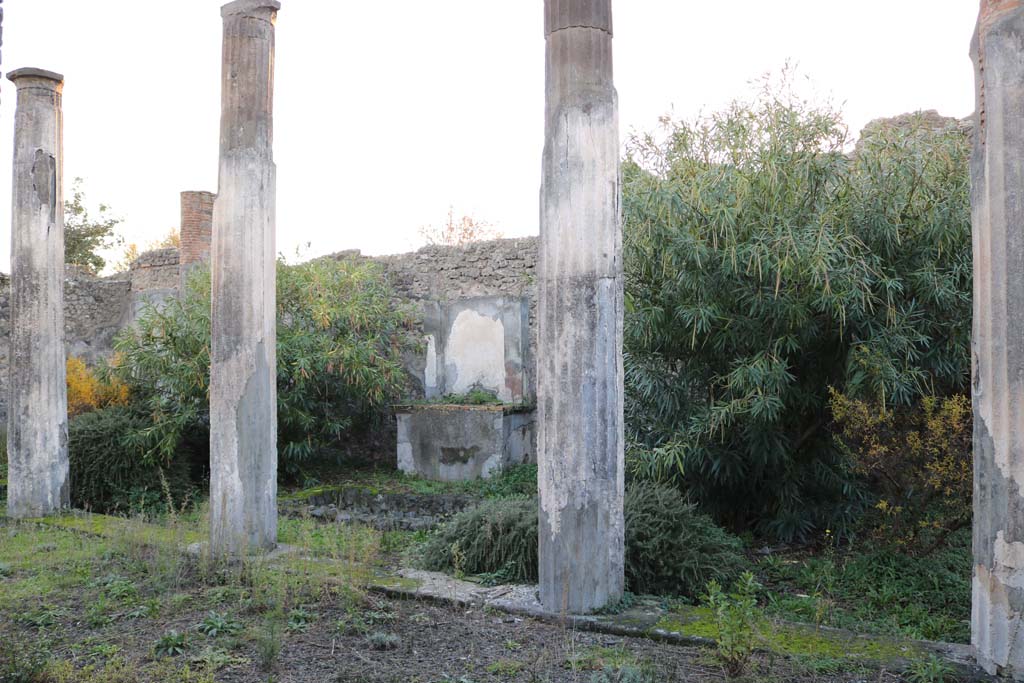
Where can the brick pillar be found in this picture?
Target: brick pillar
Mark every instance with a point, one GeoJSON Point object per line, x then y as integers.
{"type": "Point", "coordinates": [196, 229]}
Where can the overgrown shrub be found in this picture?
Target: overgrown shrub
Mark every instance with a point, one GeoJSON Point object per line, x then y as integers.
{"type": "Point", "coordinates": [110, 473]}
{"type": "Point", "coordinates": [673, 549]}
{"type": "Point", "coordinates": [340, 340]}
{"type": "Point", "coordinates": [670, 548]}
{"type": "Point", "coordinates": [919, 460]}
{"type": "Point", "coordinates": [89, 391]}
{"type": "Point", "coordinates": [765, 263]}
{"type": "Point", "coordinates": [497, 536]}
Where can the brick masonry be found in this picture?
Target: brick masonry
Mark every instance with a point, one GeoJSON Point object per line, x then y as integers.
{"type": "Point", "coordinates": [196, 227]}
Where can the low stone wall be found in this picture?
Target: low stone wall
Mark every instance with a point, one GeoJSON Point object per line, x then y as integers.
{"type": "Point", "coordinates": [157, 269]}
{"type": "Point", "coordinates": [385, 511]}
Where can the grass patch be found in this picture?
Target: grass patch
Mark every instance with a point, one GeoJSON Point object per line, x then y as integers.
{"type": "Point", "coordinates": [924, 598]}
{"type": "Point", "coordinates": [113, 599]}
{"type": "Point", "coordinates": [519, 480]}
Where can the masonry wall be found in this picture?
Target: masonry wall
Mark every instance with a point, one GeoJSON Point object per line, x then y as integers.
{"type": "Point", "coordinates": [497, 268]}
{"type": "Point", "coordinates": [97, 308]}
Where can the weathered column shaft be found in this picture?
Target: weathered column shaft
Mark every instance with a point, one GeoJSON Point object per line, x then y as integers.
{"type": "Point", "coordinates": [37, 429]}
{"type": "Point", "coordinates": [580, 301]}
{"type": "Point", "coordinates": [997, 175]}
{"type": "Point", "coordinates": [243, 374]}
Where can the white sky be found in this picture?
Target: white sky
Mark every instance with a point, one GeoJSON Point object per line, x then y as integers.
{"type": "Point", "coordinates": [389, 112]}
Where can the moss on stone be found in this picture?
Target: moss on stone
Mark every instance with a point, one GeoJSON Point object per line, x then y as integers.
{"type": "Point", "coordinates": [795, 640]}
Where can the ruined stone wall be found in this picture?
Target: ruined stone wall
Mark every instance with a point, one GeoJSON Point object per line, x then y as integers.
{"type": "Point", "coordinates": [97, 308]}
{"type": "Point", "coordinates": [497, 268]}
{"type": "Point", "coordinates": [157, 269]}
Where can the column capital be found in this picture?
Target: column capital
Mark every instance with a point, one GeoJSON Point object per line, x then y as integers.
{"type": "Point", "coordinates": [992, 10]}
{"type": "Point", "coordinates": [23, 77]}
{"type": "Point", "coordinates": [563, 14]}
{"type": "Point", "coordinates": [249, 7]}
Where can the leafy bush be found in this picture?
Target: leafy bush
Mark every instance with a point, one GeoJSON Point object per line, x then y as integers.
{"type": "Point", "coordinates": [764, 264]}
{"type": "Point", "coordinates": [669, 547]}
{"type": "Point", "coordinates": [339, 360]}
{"type": "Point", "coordinates": [110, 473]}
{"type": "Point", "coordinates": [736, 619]}
{"type": "Point", "coordinates": [919, 460]}
{"type": "Point", "coordinates": [497, 536]}
{"type": "Point", "coordinates": [87, 391]}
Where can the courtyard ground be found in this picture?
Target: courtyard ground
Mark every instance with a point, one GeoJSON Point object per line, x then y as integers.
{"type": "Point", "coordinates": [95, 599]}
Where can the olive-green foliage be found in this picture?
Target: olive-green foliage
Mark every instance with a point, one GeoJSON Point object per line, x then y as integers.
{"type": "Point", "coordinates": [736, 619]}
{"type": "Point", "coordinates": [919, 462]}
{"type": "Point", "coordinates": [109, 472]}
{"type": "Point", "coordinates": [764, 264]}
{"type": "Point", "coordinates": [85, 235]}
{"type": "Point", "coordinates": [670, 548]}
{"type": "Point", "coordinates": [673, 549]}
{"type": "Point", "coordinates": [497, 536]}
{"type": "Point", "coordinates": [340, 340]}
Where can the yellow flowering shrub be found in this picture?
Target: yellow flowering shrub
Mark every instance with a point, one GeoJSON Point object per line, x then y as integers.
{"type": "Point", "coordinates": [918, 461]}
{"type": "Point", "coordinates": [87, 392]}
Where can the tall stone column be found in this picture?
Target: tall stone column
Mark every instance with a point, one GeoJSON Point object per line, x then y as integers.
{"type": "Point", "coordinates": [243, 372]}
{"type": "Point", "coordinates": [580, 301]}
{"type": "Point", "coordinates": [37, 423]}
{"type": "Point", "coordinates": [997, 197]}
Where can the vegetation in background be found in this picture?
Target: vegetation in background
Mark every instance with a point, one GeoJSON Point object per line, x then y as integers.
{"type": "Point", "coordinates": [876, 590]}
{"type": "Point", "coordinates": [340, 340]}
{"type": "Point", "coordinates": [87, 391]}
{"type": "Point", "coordinates": [85, 234]}
{"type": "Point", "coordinates": [670, 548]}
{"type": "Point", "coordinates": [918, 461]}
{"type": "Point", "coordinates": [109, 471]}
{"type": "Point", "coordinates": [764, 264]}
{"type": "Point", "coordinates": [458, 231]}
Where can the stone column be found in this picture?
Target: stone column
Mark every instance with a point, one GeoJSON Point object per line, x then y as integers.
{"type": "Point", "coordinates": [37, 422]}
{"type": "Point", "coordinates": [243, 374]}
{"type": "Point", "coordinates": [580, 303]}
{"type": "Point", "coordinates": [997, 197]}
